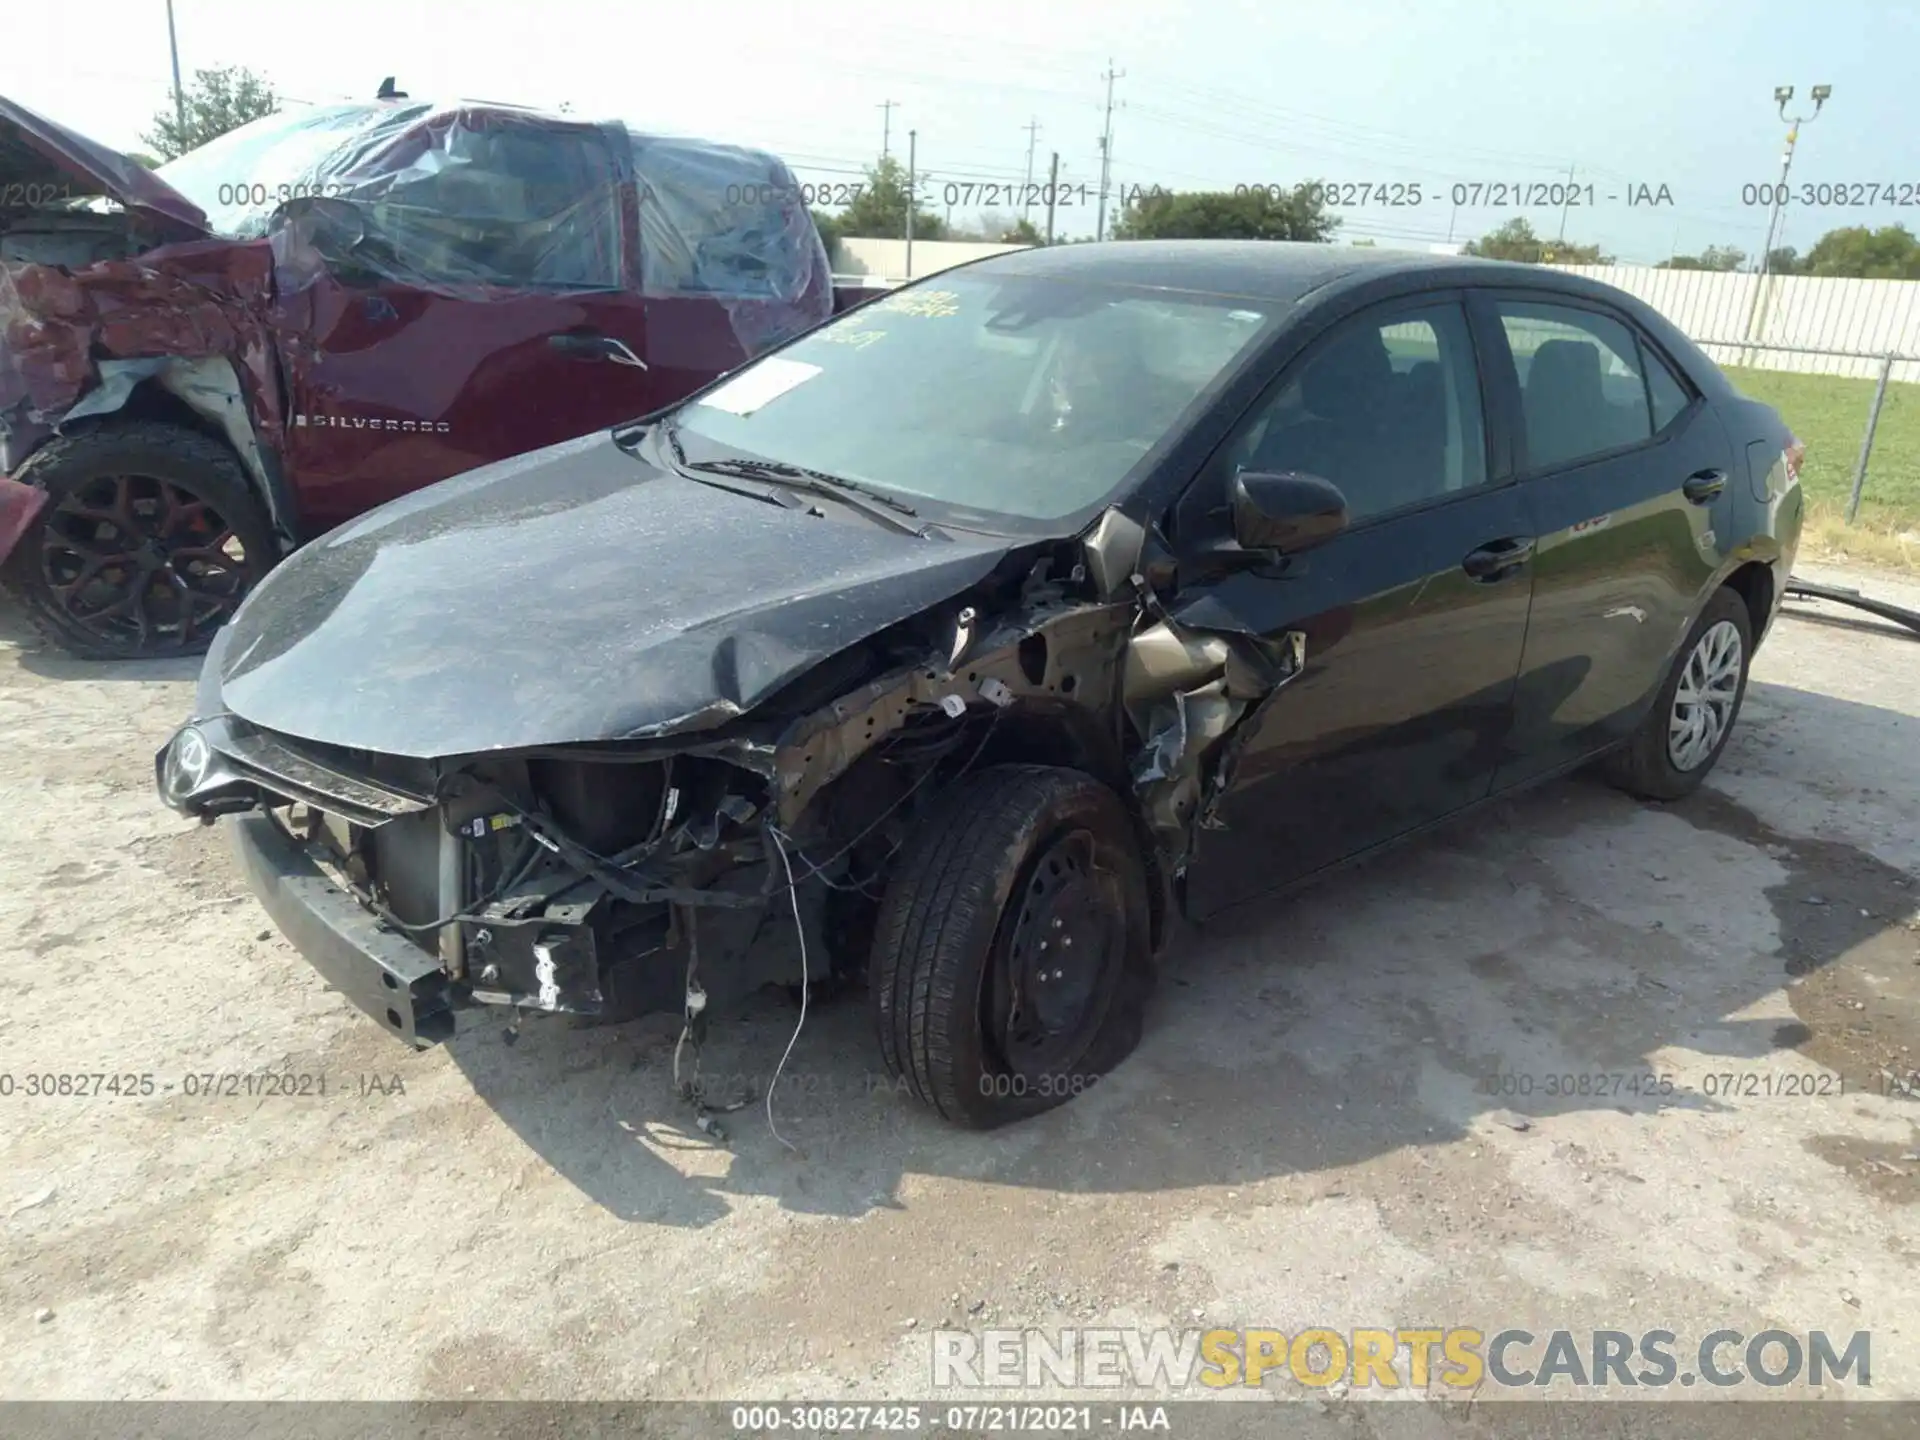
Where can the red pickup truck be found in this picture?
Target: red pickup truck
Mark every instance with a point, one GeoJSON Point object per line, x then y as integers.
{"type": "Point", "coordinates": [205, 366]}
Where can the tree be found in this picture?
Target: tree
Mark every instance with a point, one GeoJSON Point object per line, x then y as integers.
{"type": "Point", "coordinates": [994, 228]}
{"type": "Point", "coordinates": [1785, 261]}
{"type": "Point", "coordinates": [1515, 240]}
{"type": "Point", "coordinates": [1257, 214]}
{"type": "Point", "coordinates": [880, 209]}
{"type": "Point", "coordinates": [1889, 253]}
{"type": "Point", "coordinates": [829, 228]}
{"type": "Point", "coordinates": [1714, 257]}
{"type": "Point", "coordinates": [219, 100]}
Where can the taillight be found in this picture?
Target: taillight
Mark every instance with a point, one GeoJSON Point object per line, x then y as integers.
{"type": "Point", "coordinates": [1796, 452]}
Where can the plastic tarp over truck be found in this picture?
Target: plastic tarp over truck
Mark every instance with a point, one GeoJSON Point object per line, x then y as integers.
{"type": "Point", "coordinates": [470, 200]}
{"type": "Point", "coordinates": [336, 305]}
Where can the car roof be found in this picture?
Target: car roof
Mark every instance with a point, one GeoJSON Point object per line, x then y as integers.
{"type": "Point", "coordinates": [1268, 269]}
{"type": "Point", "coordinates": [1276, 271]}
{"type": "Point", "coordinates": [1283, 273]}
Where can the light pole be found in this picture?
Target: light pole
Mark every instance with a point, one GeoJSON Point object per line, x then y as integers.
{"type": "Point", "coordinates": [1106, 152]}
{"type": "Point", "coordinates": [179, 100]}
{"type": "Point", "coordinates": [1782, 94]}
{"type": "Point", "coordinates": [913, 192]}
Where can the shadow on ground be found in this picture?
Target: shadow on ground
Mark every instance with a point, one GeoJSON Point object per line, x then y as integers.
{"type": "Point", "coordinates": [1533, 959]}
{"type": "Point", "coordinates": [48, 661]}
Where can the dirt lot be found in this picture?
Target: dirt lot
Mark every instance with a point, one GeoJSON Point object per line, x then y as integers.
{"type": "Point", "coordinates": [1304, 1138]}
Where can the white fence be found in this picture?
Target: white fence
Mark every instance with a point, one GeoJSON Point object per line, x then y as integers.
{"type": "Point", "coordinates": [1869, 318]}
{"type": "Point", "coordinates": [887, 259]}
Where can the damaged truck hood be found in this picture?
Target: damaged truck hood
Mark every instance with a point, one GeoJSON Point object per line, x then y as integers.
{"type": "Point", "coordinates": [37, 153]}
{"type": "Point", "coordinates": [572, 594]}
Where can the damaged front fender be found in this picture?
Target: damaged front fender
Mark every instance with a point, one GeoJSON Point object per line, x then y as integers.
{"type": "Point", "coordinates": [1191, 693]}
{"type": "Point", "coordinates": [192, 318]}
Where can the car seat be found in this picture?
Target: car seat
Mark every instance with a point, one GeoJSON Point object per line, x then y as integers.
{"type": "Point", "coordinates": [1565, 407]}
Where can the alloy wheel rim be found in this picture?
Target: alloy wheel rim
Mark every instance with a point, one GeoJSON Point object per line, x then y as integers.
{"type": "Point", "coordinates": [1704, 699]}
{"type": "Point", "coordinates": [140, 560]}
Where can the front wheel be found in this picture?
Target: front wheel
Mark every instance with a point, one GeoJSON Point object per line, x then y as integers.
{"type": "Point", "coordinates": [1012, 954]}
{"type": "Point", "coordinates": [150, 538]}
{"type": "Point", "coordinates": [1687, 728]}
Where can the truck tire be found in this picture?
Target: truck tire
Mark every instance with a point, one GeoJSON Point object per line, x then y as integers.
{"type": "Point", "coordinates": [983, 1004]}
{"type": "Point", "coordinates": [1688, 725]}
{"type": "Point", "coordinates": [150, 538]}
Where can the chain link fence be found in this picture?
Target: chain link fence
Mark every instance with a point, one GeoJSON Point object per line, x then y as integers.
{"type": "Point", "coordinates": [1862, 432]}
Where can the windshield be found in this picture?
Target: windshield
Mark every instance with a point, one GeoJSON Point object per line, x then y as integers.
{"type": "Point", "coordinates": [1012, 400]}
{"type": "Point", "coordinates": [241, 178]}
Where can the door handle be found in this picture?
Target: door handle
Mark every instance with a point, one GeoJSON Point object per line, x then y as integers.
{"type": "Point", "coordinates": [1704, 485]}
{"type": "Point", "coordinates": [592, 345]}
{"type": "Point", "coordinates": [1497, 559]}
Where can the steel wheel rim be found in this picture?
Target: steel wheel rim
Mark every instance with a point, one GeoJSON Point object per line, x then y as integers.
{"type": "Point", "coordinates": [134, 559]}
{"type": "Point", "coordinates": [1055, 975]}
{"type": "Point", "coordinates": [1704, 699]}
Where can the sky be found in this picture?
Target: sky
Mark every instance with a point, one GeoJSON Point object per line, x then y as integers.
{"type": "Point", "coordinates": [1362, 93]}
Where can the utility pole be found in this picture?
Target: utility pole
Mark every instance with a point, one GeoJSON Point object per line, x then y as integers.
{"type": "Point", "coordinates": [1026, 194]}
{"type": "Point", "coordinates": [885, 107]}
{"type": "Point", "coordinates": [1053, 192]}
{"type": "Point", "coordinates": [179, 100]}
{"type": "Point", "coordinates": [1563, 208]}
{"type": "Point", "coordinates": [1106, 152]}
{"type": "Point", "coordinates": [913, 194]}
{"type": "Point", "coordinates": [1781, 94]}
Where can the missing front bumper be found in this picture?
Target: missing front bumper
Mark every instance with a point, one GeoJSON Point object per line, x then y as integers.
{"type": "Point", "coordinates": [379, 970]}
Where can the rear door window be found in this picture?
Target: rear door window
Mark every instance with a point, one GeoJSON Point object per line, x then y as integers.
{"type": "Point", "coordinates": [1582, 389]}
{"type": "Point", "coordinates": [722, 222]}
{"type": "Point", "coordinates": [1664, 389]}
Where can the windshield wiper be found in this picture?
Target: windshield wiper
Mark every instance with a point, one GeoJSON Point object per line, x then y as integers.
{"type": "Point", "coordinates": [781, 470]}
{"type": "Point", "coordinates": [871, 503]}
{"type": "Point", "coordinates": [784, 479]}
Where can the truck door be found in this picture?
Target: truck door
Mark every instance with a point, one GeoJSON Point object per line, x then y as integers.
{"type": "Point", "coordinates": [477, 300]}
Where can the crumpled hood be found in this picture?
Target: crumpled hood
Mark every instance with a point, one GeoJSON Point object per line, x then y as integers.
{"type": "Point", "coordinates": [574, 593]}
{"type": "Point", "coordinates": [36, 152]}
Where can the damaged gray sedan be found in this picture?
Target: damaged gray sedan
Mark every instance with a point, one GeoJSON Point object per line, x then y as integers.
{"type": "Point", "coordinates": [976, 632]}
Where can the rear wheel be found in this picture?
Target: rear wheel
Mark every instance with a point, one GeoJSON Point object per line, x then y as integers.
{"type": "Point", "coordinates": [150, 538]}
{"type": "Point", "coordinates": [1687, 728]}
{"type": "Point", "coordinates": [1012, 954]}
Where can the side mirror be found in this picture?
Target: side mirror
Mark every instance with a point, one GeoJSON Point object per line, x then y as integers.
{"type": "Point", "coordinates": [331, 225]}
{"type": "Point", "coordinates": [1287, 510]}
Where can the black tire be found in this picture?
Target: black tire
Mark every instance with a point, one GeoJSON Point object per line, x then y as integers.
{"type": "Point", "coordinates": [1644, 766]}
{"type": "Point", "coordinates": [178, 511]}
{"type": "Point", "coordinates": [1012, 849]}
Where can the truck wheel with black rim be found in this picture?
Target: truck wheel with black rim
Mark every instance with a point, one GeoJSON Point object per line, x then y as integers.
{"type": "Point", "coordinates": [1687, 728]}
{"type": "Point", "coordinates": [150, 538]}
{"type": "Point", "coordinates": [1012, 955]}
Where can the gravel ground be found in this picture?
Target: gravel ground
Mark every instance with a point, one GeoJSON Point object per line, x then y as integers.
{"type": "Point", "coordinates": [1303, 1138]}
